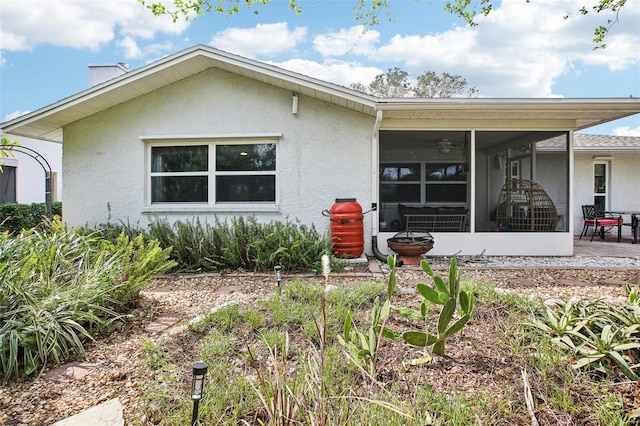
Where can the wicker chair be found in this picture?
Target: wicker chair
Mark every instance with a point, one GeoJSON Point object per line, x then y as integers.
{"type": "Point", "coordinates": [524, 206]}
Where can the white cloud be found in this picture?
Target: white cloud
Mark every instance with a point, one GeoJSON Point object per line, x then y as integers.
{"type": "Point", "coordinates": [351, 40]}
{"type": "Point", "coordinates": [519, 50]}
{"type": "Point", "coordinates": [131, 49]}
{"type": "Point", "coordinates": [15, 114]}
{"type": "Point", "coordinates": [80, 24]}
{"type": "Point", "coordinates": [263, 39]}
{"type": "Point", "coordinates": [626, 131]}
{"type": "Point", "coordinates": [338, 72]}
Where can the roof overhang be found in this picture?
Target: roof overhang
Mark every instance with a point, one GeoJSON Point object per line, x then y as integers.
{"type": "Point", "coordinates": [47, 123]}
{"type": "Point", "coordinates": [582, 113]}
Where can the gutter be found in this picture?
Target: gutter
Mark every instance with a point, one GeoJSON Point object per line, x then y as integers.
{"type": "Point", "coordinates": [375, 147]}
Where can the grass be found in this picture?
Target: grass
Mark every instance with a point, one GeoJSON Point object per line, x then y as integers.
{"type": "Point", "coordinates": [279, 363]}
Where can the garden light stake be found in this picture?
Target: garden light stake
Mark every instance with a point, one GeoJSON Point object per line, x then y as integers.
{"type": "Point", "coordinates": [197, 388]}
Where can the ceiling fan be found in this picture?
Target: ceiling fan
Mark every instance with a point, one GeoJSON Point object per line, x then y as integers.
{"type": "Point", "coordinates": [444, 145]}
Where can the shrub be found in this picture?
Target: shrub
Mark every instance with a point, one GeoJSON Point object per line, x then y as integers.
{"type": "Point", "coordinates": [241, 243]}
{"type": "Point", "coordinates": [60, 288]}
{"type": "Point", "coordinates": [16, 217]}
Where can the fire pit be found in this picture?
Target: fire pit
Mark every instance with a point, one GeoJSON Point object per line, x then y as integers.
{"type": "Point", "coordinates": [410, 245]}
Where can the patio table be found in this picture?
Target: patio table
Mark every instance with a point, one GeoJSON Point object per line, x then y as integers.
{"type": "Point", "coordinates": [635, 226]}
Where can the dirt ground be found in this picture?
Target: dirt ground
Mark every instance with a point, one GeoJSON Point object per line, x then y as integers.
{"type": "Point", "coordinates": [116, 363]}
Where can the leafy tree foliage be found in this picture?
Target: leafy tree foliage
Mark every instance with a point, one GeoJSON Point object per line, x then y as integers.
{"type": "Point", "coordinates": [5, 149]}
{"type": "Point", "coordinates": [392, 84]}
{"type": "Point", "coordinates": [395, 83]}
{"type": "Point", "coordinates": [366, 12]}
{"type": "Point", "coordinates": [429, 85]}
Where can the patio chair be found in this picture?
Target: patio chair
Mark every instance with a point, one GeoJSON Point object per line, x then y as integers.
{"type": "Point", "coordinates": [594, 216]}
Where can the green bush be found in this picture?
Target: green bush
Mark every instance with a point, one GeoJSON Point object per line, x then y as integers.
{"type": "Point", "coordinates": [241, 243]}
{"type": "Point", "coordinates": [16, 217]}
{"type": "Point", "coordinates": [60, 288]}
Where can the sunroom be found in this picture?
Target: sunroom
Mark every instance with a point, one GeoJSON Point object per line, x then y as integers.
{"type": "Point", "coordinates": [494, 187]}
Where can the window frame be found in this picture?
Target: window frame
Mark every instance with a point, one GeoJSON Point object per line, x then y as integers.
{"type": "Point", "coordinates": [424, 183]}
{"type": "Point", "coordinates": [601, 197]}
{"type": "Point", "coordinates": [211, 141]}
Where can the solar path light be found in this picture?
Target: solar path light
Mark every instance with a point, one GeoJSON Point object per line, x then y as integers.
{"type": "Point", "coordinates": [197, 388]}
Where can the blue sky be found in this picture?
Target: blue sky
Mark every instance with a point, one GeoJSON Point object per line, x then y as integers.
{"type": "Point", "coordinates": [521, 49]}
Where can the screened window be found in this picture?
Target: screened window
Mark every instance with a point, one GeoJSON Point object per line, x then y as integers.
{"type": "Point", "coordinates": [213, 173]}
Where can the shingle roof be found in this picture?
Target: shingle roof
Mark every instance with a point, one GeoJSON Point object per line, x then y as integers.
{"type": "Point", "coordinates": [585, 142]}
{"type": "Point", "coordinates": [589, 142]}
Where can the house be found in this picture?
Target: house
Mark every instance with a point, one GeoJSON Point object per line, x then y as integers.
{"type": "Point", "coordinates": [26, 168]}
{"type": "Point", "coordinates": [204, 132]}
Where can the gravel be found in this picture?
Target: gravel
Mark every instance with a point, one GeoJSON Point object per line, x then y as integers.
{"type": "Point", "coordinates": [532, 261]}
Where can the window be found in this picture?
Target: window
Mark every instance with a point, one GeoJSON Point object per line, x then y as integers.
{"type": "Point", "coordinates": [600, 190]}
{"type": "Point", "coordinates": [211, 173]}
{"type": "Point", "coordinates": [446, 182]}
{"type": "Point", "coordinates": [8, 184]}
{"type": "Point", "coordinates": [179, 174]}
{"type": "Point", "coordinates": [515, 170]}
{"type": "Point", "coordinates": [442, 182]}
{"type": "Point", "coordinates": [246, 173]}
{"type": "Point", "coordinates": [400, 183]}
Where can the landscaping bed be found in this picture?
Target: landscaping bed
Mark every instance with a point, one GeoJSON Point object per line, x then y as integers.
{"type": "Point", "coordinates": [476, 363]}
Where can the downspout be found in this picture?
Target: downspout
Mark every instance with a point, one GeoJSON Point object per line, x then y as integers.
{"type": "Point", "coordinates": [375, 147]}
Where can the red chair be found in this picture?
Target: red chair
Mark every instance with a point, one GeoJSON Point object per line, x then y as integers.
{"type": "Point", "coordinates": [594, 216]}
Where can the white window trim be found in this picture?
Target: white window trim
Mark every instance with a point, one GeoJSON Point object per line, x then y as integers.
{"type": "Point", "coordinates": [211, 140]}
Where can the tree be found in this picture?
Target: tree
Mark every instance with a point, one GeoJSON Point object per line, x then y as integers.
{"type": "Point", "coordinates": [5, 149]}
{"type": "Point", "coordinates": [395, 84]}
{"type": "Point", "coordinates": [392, 84]}
{"type": "Point", "coordinates": [366, 12]}
{"type": "Point", "coordinates": [429, 85]}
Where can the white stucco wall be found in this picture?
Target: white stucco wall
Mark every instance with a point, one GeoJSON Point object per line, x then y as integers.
{"type": "Point", "coordinates": [30, 178]}
{"type": "Point", "coordinates": [324, 152]}
{"type": "Point", "coordinates": [623, 188]}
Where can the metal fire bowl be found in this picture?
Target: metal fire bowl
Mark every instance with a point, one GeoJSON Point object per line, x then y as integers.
{"type": "Point", "coordinates": [410, 246]}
